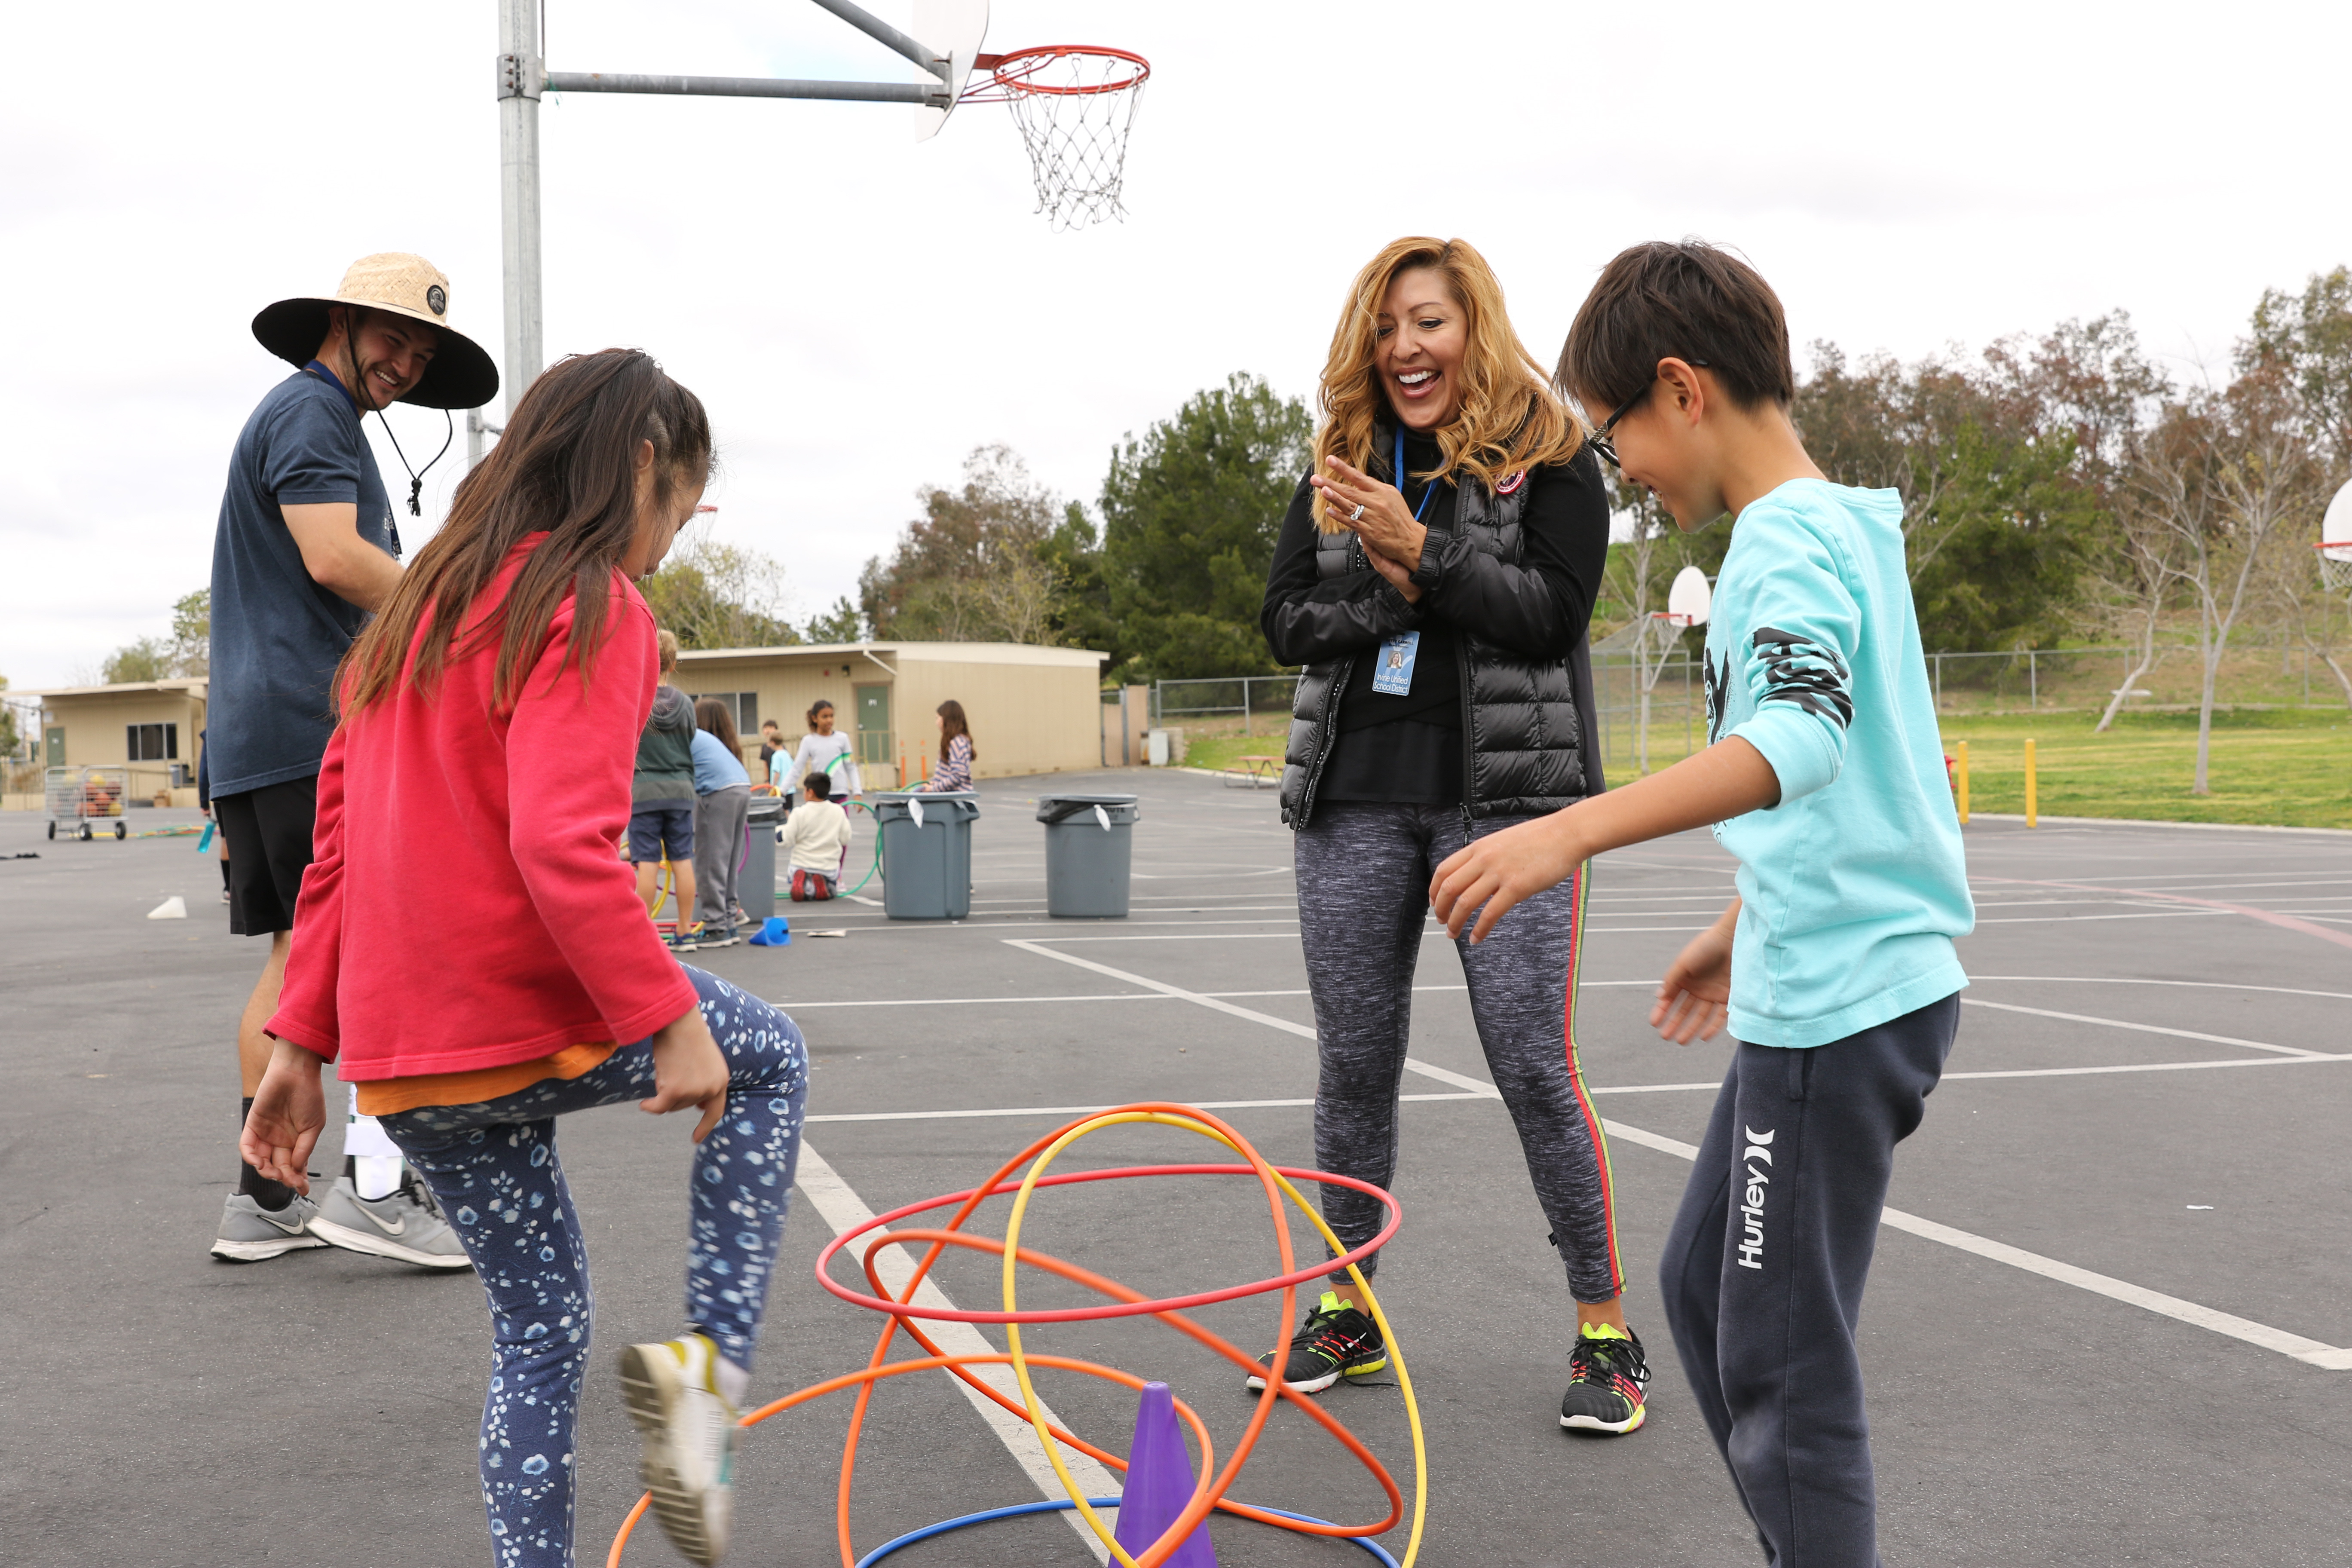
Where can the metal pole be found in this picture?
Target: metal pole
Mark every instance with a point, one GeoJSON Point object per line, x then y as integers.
{"type": "Point", "coordinates": [883, 33]}
{"type": "Point", "coordinates": [521, 76]}
{"type": "Point", "coordinates": [747, 87]}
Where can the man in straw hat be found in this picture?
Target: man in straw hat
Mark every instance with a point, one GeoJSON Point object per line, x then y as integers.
{"type": "Point", "coordinates": [306, 548]}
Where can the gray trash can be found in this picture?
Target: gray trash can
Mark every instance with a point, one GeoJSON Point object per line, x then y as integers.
{"type": "Point", "coordinates": [755, 887]}
{"type": "Point", "coordinates": [926, 869]}
{"type": "Point", "coordinates": [1090, 844]}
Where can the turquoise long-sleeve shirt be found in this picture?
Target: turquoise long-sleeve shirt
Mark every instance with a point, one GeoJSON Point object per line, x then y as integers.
{"type": "Point", "coordinates": [1853, 887]}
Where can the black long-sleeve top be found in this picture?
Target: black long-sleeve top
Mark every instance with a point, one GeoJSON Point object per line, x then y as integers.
{"type": "Point", "coordinates": [1408, 748]}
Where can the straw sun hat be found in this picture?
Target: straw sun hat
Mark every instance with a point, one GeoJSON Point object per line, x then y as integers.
{"type": "Point", "coordinates": [460, 376]}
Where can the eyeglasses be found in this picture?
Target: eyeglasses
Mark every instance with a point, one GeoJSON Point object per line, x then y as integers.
{"type": "Point", "coordinates": [1599, 437]}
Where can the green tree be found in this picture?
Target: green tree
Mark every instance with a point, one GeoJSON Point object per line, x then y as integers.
{"type": "Point", "coordinates": [1083, 616]}
{"type": "Point", "coordinates": [973, 567]}
{"type": "Point", "coordinates": [1190, 513]}
{"type": "Point", "coordinates": [192, 634]}
{"type": "Point", "coordinates": [149, 659]}
{"type": "Point", "coordinates": [2309, 335]}
{"type": "Point", "coordinates": [9, 738]}
{"type": "Point", "coordinates": [843, 623]}
{"type": "Point", "coordinates": [720, 596]}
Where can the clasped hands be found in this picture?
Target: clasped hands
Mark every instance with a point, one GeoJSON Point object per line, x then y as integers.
{"type": "Point", "coordinates": [1375, 513]}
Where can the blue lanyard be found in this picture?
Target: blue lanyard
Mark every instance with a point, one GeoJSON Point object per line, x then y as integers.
{"type": "Point", "coordinates": [1427, 491]}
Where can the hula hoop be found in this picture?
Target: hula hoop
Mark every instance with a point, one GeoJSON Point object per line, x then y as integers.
{"type": "Point", "coordinates": [1209, 1494]}
{"type": "Point", "coordinates": [1063, 1505]}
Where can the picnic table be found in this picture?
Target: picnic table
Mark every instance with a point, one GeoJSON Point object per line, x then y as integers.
{"type": "Point", "coordinates": [1255, 772]}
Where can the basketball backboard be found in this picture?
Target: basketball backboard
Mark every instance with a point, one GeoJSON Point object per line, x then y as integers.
{"type": "Point", "coordinates": [1690, 599]}
{"type": "Point", "coordinates": [956, 29]}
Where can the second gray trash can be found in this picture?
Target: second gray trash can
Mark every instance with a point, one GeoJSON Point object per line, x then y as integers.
{"type": "Point", "coordinates": [1089, 846]}
{"type": "Point", "coordinates": [755, 889]}
{"type": "Point", "coordinates": [925, 864]}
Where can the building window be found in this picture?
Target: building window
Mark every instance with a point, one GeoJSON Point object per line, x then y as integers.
{"type": "Point", "coordinates": [152, 743]}
{"type": "Point", "coordinates": [744, 705]}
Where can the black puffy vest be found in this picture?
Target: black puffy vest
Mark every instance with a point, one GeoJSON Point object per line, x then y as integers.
{"type": "Point", "coordinates": [1525, 721]}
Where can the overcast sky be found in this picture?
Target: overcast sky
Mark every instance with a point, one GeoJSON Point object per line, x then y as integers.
{"type": "Point", "coordinates": [860, 311]}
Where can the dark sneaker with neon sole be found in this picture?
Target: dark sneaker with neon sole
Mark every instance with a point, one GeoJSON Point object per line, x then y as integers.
{"type": "Point", "coordinates": [1335, 1342]}
{"type": "Point", "coordinates": [1605, 1375]}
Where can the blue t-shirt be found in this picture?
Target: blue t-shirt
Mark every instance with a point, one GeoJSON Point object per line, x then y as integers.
{"type": "Point", "coordinates": [1853, 886]}
{"type": "Point", "coordinates": [715, 767]}
{"type": "Point", "coordinates": [277, 636]}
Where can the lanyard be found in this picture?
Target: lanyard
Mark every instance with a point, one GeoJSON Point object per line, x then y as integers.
{"type": "Point", "coordinates": [1427, 491]}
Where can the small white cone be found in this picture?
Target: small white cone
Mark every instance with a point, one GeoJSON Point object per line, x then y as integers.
{"type": "Point", "coordinates": [174, 907]}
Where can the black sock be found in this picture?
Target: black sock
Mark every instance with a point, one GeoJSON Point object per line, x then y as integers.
{"type": "Point", "coordinates": [271, 1195]}
{"type": "Point", "coordinates": [224, 865]}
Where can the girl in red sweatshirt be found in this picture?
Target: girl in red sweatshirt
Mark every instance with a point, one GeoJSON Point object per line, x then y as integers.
{"type": "Point", "coordinates": [477, 992]}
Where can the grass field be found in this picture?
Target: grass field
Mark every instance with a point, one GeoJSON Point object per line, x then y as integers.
{"type": "Point", "coordinates": [2290, 768]}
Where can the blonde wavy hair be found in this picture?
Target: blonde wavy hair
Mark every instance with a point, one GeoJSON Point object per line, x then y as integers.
{"type": "Point", "coordinates": [1509, 420]}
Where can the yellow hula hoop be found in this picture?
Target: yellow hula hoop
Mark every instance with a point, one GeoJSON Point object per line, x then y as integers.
{"type": "Point", "coordinates": [1035, 1405]}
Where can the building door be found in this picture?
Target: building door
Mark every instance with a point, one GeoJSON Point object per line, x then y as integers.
{"type": "Point", "coordinates": [57, 738]}
{"type": "Point", "coordinates": [873, 737]}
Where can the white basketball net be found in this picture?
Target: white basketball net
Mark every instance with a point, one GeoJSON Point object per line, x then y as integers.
{"type": "Point", "coordinates": [2335, 568]}
{"type": "Point", "coordinates": [1075, 108]}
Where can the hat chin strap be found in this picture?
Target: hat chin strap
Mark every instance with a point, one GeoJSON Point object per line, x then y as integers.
{"type": "Point", "coordinates": [354, 316]}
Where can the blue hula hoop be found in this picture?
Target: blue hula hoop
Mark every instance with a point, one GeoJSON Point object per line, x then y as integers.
{"type": "Point", "coordinates": [1063, 1504]}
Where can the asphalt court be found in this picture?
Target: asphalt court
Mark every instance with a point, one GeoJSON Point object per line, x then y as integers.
{"type": "Point", "coordinates": [2104, 1337]}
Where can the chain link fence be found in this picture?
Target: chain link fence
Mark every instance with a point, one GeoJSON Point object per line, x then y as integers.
{"type": "Point", "coordinates": [1643, 730]}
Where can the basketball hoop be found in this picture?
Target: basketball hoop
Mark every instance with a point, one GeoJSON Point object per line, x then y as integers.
{"type": "Point", "coordinates": [1075, 104]}
{"type": "Point", "coordinates": [2336, 565]}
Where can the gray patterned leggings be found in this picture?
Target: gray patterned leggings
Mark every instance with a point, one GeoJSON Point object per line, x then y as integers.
{"type": "Point", "coordinates": [1363, 873]}
{"type": "Point", "coordinates": [494, 1168]}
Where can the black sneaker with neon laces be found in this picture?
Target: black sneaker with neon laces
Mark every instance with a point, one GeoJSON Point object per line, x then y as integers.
{"type": "Point", "coordinates": [1335, 1342]}
{"type": "Point", "coordinates": [1605, 1375]}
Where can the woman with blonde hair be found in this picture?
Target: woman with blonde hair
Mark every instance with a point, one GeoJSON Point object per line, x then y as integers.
{"type": "Point", "coordinates": [1436, 575]}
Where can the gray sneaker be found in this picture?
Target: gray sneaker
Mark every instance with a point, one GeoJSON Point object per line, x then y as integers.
{"type": "Point", "coordinates": [251, 1234]}
{"type": "Point", "coordinates": [403, 1226]}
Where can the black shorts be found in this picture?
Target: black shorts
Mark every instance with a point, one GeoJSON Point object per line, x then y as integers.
{"type": "Point", "coordinates": [267, 832]}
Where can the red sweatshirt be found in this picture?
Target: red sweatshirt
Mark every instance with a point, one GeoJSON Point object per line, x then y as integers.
{"type": "Point", "coordinates": [467, 907]}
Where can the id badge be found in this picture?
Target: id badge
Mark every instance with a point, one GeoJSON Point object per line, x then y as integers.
{"type": "Point", "coordinates": [1393, 676]}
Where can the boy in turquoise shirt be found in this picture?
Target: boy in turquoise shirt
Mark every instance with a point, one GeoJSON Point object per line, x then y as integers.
{"type": "Point", "coordinates": [1834, 966]}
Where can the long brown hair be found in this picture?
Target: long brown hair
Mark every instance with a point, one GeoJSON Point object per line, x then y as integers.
{"type": "Point", "coordinates": [952, 712]}
{"type": "Point", "coordinates": [1509, 420]}
{"type": "Point", "coordinates": [566, 467]}
{"type": "Point", "coordinates": [712, 714]}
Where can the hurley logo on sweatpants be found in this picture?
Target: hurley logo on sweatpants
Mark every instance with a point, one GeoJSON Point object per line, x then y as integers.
{"type": "Point", "coordinates": [1752, 1213]}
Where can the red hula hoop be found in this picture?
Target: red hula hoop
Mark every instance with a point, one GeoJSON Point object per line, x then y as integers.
{"type": "Point", "coordinates": [1113, 1310]}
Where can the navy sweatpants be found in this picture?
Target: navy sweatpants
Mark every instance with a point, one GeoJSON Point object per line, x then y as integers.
{"type": "Point", "coordinates": [1764, 1269]}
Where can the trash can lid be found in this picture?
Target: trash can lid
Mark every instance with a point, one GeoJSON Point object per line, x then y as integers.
{"type": "Point", "coordinates": [1053, 808]}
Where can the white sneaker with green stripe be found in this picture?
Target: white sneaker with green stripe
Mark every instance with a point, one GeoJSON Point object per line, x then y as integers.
{"type": "Point", "coordinates": [689, 1429]}
{"type": "Point", "coordinates": [1336, 1342]}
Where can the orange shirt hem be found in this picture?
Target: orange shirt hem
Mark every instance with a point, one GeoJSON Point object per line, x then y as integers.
{"type": "Point", "coordinates": [382, 1097]}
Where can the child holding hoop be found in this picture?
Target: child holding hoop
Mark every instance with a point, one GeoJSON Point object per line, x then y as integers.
{"type": "Point", "coordinates": [498, 697]}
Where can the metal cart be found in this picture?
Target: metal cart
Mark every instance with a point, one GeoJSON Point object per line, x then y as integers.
{"type": "Point", "coordinates": [77, 798]}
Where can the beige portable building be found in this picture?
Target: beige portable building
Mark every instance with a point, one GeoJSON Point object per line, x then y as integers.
{"type": "Point", "coordinates": [1032, 710]}
{"type": "Point", "coordinates": [149, 726]}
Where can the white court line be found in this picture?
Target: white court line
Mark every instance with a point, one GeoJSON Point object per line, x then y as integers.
{"type": "Point", "coordinates": [2048, 919]}
{"type": "Point", "coordinates": [1090, 1110]}
{"type": "Point", "coordinates": [2124, 980]}
{"type": "Point", "coordinates": [1710, 1085]}
{"type": "Point", "coordinates": [2311, 1352]}
{"type": "Point", "coordinates": [843, 1209]}
{"type": "Point", "coordinates": [2137, 1028]}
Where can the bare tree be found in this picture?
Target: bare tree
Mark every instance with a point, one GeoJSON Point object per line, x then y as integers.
{"type": "Point", "coordinates": [2221, 474]}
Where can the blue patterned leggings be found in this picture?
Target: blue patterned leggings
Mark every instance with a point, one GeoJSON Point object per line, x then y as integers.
{"type": "Point", "coordinates": [494, 1168]}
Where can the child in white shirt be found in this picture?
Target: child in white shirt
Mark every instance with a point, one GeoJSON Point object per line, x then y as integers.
{"type": "Point", "coordinates": [818, 836]}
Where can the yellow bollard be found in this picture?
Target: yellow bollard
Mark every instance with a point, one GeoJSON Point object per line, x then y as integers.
{"type": "Point", "coordinates": [2031, 812]}
{"type": "Point", "coordinates": [1961, 772]}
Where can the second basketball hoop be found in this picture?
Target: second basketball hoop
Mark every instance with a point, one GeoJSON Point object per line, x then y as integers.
{"type": "Point", "coordinates": [1075, 104]}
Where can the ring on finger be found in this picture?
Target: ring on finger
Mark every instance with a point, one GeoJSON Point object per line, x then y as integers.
{"type": "Point", "coordinates": [1357, 515]}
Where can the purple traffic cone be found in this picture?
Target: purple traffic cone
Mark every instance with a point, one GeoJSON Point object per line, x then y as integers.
{"type": "Point", "coordinates": [1158, 1484]}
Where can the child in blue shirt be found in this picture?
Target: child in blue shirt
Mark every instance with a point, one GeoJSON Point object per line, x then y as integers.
{"type": "Point", "coordinates": [1834, 966]}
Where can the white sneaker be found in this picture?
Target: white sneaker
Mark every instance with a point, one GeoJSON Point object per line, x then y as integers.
{"type": "Point", "coordinates": [672, 1391]}
{"type": "Point", "coordinates": [400, 1226]}
{"type": "Point", "coordinates": [251, 1234]}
